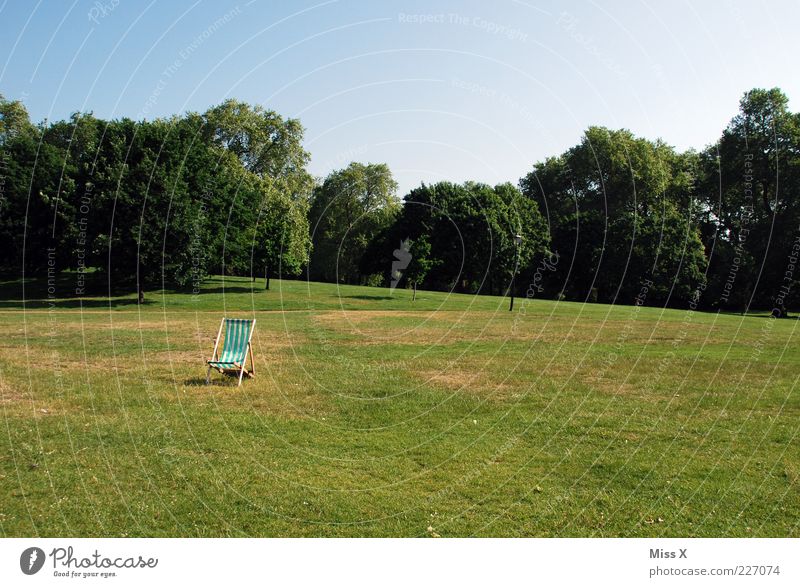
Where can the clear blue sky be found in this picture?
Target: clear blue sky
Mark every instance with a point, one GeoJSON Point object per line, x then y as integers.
{"type": "Point", "coordinates": [437, 89]}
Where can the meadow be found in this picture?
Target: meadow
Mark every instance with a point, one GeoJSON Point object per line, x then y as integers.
{"type": "Point", "coordinates": [372, 415]}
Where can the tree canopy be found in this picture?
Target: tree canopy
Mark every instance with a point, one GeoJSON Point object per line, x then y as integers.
{"type": "Point", "coordinates": [462, 237]}
{"type": "Point", "coordinates": [616, 218]}
{"type": "Point", "coordinates": [348, 210]}
{"type": "Point", "coordinates": [155, 202]}
{"type": "Point", "coordinates": [621, 217]}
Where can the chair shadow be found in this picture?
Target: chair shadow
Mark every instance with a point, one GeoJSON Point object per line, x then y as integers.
{"type": "Point", "coordinates": [216, 381]}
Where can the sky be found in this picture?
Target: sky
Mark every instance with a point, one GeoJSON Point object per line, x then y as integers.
{"type": "Point", "coordinates": [439, 90]}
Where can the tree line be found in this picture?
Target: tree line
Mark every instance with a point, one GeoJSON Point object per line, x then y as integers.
{"type": "Point", "coordinates": [616, 218]}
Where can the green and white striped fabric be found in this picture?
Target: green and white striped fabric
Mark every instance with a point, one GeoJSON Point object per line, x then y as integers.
{"type": "Point", "coordinates": [234, 350]}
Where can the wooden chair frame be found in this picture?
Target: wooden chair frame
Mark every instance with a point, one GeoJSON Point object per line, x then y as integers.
{"type": "Point", "coordinates": [241, 370]}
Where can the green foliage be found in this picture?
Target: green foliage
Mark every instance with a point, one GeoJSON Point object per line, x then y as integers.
{"type": "Point", "coordinates": [622, 219]}
{"type": "Point", "coordinates": [615, 218]}
{"type": "Point", "coordinates": [155, 202]}
{"type": "Point", "coordinates": [14, 120]}
{"type": "Point", "coordinates": [749, 189]}
{"type": "Point", "coordinates": [348, 210]}
{"type": "Point", "coordinates": [281, 239]}
{"type": "Point", "coordinates": [264, 142]}
{"type": "Point", "coordinates": [421, 262]}
{"type": "Point", "coordinates": [462, 236]}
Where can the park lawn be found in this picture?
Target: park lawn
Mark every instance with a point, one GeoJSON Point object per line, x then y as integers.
{"type": "Point", "coordinates": [372, 415]}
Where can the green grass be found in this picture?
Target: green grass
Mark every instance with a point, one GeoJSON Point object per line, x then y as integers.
{"type": "Point", "coordinates": [374, 416]}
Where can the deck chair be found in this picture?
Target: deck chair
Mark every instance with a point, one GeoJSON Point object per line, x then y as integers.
{"type": "Point", "coordinates": [235, 349]}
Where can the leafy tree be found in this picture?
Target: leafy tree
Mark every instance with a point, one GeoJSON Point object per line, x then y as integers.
{"type": "Point", "coordinates": [420, 264]}
{"type": "Point", "coordinates": [157, 202]}
{"type": "Point", "coordinates": [347, 211]}
{"type": "Point", "coordinates": [274, 208]}
{"type": "Point", "coordinates": [281, 236]}
{"type": "Point", "coordinates": [621, 212]}
{"type": "Point", "coordinates": [36, 180]}
{"type": "Point", "coordinates": [462, 236]}
{"type": "Point", "coordinates": [748, 189]}
{"type": "Point", "coordinates": [264, 142]}
{"type": "Point", "coordinates": [171, 200]}
{"type": "Point", "coordinates": [14, 120]}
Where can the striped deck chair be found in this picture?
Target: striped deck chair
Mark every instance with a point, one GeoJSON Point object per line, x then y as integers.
{"type": "Point", "coordinates": [234, 350]}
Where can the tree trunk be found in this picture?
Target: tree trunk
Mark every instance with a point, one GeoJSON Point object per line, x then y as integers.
{"type": "Point", "coordinates": [266, 276]}
{"type": "Point", "coordinates": [140, 285]}
{"type": "Point", "coordinates": [414, 296]}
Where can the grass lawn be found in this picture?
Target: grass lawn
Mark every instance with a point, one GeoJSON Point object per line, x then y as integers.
{"type": "Point", "coordinates": [372, 415]}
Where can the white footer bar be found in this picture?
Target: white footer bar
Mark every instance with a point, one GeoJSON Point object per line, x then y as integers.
{"type": "Point", "coordinates": [388, 562]}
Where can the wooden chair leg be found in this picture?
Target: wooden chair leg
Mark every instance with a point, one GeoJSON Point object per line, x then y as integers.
{"type": "Point", "coordinates": [252, 362]}
{"type": "Point", "coordinates": [208, 375]}
{"type": "Point", "coordinates": [241, 373]}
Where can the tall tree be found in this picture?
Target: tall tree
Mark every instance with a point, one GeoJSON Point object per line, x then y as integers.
{"type": "Point", "coordinates": [273, 209]}
{"type": "Point", "coordinates": [462, 236]}
{"type": "Point", "coordinates": [749, 187]}
{"type": "Point", "coordinates": [622, 214]}
{"type": "Point", "coordinates": [347, 211]}
{"type": "Point", "coordinates": [153, 203]}
{"type": "Point", "coordinates": [266, 143]}
{"type": "Point", "coordinates": [281, 239]}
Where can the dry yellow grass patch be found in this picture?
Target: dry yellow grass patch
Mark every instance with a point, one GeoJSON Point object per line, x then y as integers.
{"type": "Point", "coordinates": [15, 403]}
{"type": "Point", "coordinates": [10, 394]}
{"type": "Point", "coordinates": [560, 329]}
{"type": "Point", "coordinates": [470, 381]}
{"type": "Point", "coordinates": [419, 328]}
